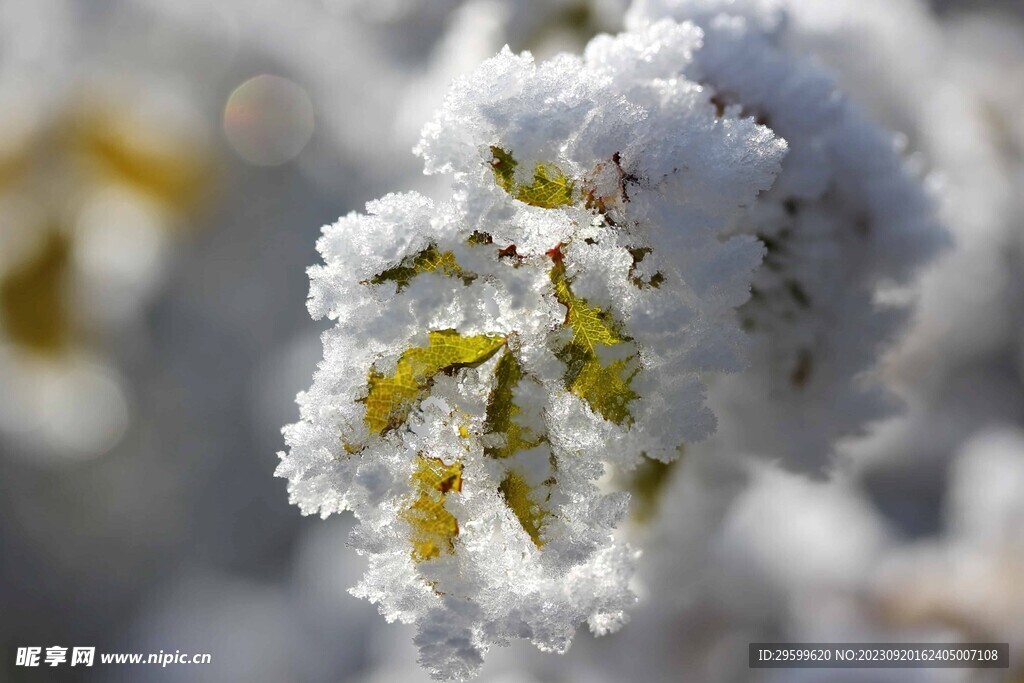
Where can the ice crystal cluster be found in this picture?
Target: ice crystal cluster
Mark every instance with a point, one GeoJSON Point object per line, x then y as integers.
{"type": "Point", "coordinates": [689, 198]}
{"type": "Point", "coordinates": [846, 222]}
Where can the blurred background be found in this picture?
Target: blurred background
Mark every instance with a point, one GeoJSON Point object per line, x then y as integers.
{"type": "Point", "coordinates": [165, 169]}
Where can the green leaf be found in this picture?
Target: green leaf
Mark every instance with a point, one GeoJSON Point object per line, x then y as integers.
{"type": "Point", "coordinates": [433, 528]}
{"type": "Point", "coordinates": [604, 386]}
{"type": "Point", "coordinates": [430, 260]}
{"type": "Point", "coordinates": [550, 187]}
{"type": "Point", "coordinates": [390, 398]}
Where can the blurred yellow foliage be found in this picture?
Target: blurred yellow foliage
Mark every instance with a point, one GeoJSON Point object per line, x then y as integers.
{"type": "Point", "coordinates": [57, 169]}
{"type": "Point", "coordinates": [33, 305]}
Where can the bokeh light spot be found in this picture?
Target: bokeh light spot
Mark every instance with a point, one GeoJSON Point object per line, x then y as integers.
{"type": "Point", "coordinates": [268, 120]}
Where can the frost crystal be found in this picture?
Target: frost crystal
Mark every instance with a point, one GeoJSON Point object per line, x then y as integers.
{"type": "Point", "coordinates": [845, 222]}
{"type": "Point", "coordinates": [493, 352]}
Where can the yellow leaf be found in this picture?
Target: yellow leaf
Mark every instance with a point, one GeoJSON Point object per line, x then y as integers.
{"type": "Point", "coordinates": [429, 260]}
{"type": "Point", "coordinates": [525, 501]}
{"type": "Point", "coordinates": [520, 498]}
{"type": "Point", "coordinates": [604, 386]}
{"type": "Point", "coordinates": [550, 188]}
{"type": "Point", "coordinates": [638, 254]}
{"type": "Point", "coordinates": [591, 326]}
{"type": "Point", "coordinates": [390, 398]}
{"type": "Point", "coordinates": [433, 528]}
{"type": "Point", "coordinates": [502, 410]}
